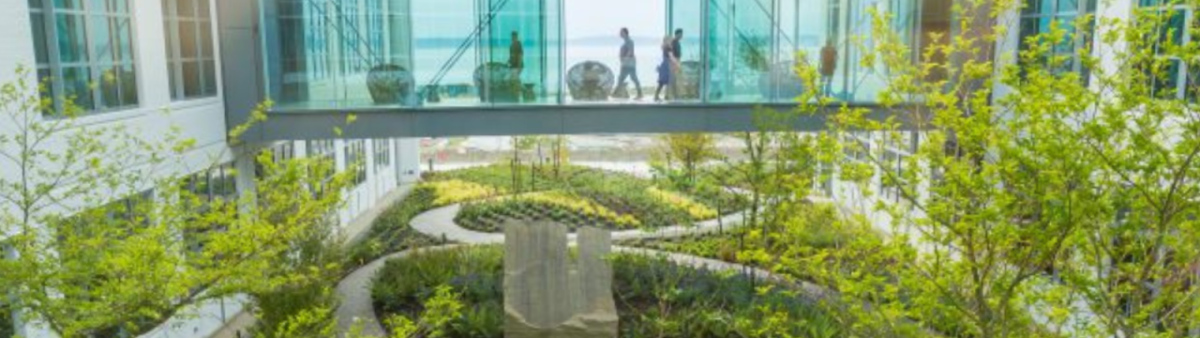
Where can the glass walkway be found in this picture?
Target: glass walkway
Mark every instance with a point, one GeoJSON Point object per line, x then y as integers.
{"type": "Point", "coordinates": [433, 55]}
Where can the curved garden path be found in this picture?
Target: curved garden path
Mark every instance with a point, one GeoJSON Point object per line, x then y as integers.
{"type": "Point", "coordinates": [355, 289]}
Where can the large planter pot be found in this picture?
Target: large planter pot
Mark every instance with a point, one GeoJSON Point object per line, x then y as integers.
{"type": "Point", "coordinates": [781, 82]}
{"type": "Point", "coordinates": [389, 84]}
{"type": "Point", "coordinates": [496, 84]}
{"type": "Point", "coordinates": [590, 81]}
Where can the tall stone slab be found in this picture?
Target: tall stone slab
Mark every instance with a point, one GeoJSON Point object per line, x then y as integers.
{"type": "Point", "coordinates": [547, 297]}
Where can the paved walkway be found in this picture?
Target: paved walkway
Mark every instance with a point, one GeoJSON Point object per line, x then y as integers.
{"type": "Point", "coordinates": [355, 289]}
{"type": "Point", "coordinates": [355, 293]}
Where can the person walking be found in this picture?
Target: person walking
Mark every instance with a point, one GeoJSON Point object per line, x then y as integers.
{"type": "Point", "coordinates": [828, 67]}
{"type": "Point", "coordinates": [628, 65]}
{"type": "Point", "coordinates": [666, 69]}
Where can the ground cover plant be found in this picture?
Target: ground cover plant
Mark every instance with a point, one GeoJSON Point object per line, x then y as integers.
{"type": "Point", "coordinates": [578, 195]}
{"type": "Point", "coordinates": [655, 298]}
{"type": "Point", "coordinates": [813, 229]}
{"type": "Point", "coordinates": [391, 231]}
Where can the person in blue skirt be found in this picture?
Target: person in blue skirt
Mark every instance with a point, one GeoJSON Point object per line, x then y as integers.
{"type": "Point", "coordinates": [667, 69]}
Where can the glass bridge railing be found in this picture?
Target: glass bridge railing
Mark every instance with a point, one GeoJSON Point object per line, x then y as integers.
{"type": "Point", "coordinates": [359, 54]}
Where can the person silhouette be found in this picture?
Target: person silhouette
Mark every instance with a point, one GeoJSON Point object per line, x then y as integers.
{"type": "Point", "coordinates": [628, 65]}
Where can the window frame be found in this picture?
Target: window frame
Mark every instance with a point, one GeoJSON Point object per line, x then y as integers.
{"type": "Point", "coordinates": [172, 21]}
{"type": "Point", "coordinates": [383, 154]}
{"type": "Point", "coordinates": [54, 66]}
{"type": "Point", "coordinates": [1080, 39]}
{"type": "Point", "coordinates": [356, 152]}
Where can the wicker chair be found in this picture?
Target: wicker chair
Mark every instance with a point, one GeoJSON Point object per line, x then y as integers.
{"type": "Point", "coordinates": [590, 81]}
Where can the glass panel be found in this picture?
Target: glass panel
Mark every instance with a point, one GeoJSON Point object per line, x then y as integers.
{"type": "Point", "coordinates": [39, 38]}
{"type": "Point", "coordinates": [206, 41]}
{"type": "Point", "coordinates": [102, 39]}
{"type": "Point", "coordinates": [68, 4]}
{"type": "Point", "coordinates": [740, 51]}
{"type": "Point", "coordinates": [185, 8]}
{"type": "Point", "coordinates": [191, 79]}
{"type": "Point", "coordinates": [124, 38]}
{"type": "Point", "coordinates": [203, 8]}
{"type": "Point", "coordinates": [71, 38]}
{"type": "Point", "coordinates": [129, 88]}
{"type": "Point", "coordinates": [110, 87]}
{"type": "Point", "coordinates": [1068, 7]}
{"type": "Point", "coordinates": [76, 82]}
{"type": "Point", "coordinates": [187, 39]}
{"type": "Point", "coordinates": [172, 74]}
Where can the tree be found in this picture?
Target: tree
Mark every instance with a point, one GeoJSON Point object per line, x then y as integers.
{"type": "Point", "coordinates": [1038, 202]}
{"type": "Point", "coordinates": [91, 254]}
{"type": "Point", "coordinates": [690, 151]}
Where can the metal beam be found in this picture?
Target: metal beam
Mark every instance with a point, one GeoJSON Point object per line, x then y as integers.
{"type": "Point", "coordinates": [531, 120]}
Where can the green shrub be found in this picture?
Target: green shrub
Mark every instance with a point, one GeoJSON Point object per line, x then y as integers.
{"type": "Point", "coordinates": [619, 192]}
{"type": "Point", "coordinates": [6, 324]}
{"type": "Point", "coordinates": [391, 231]}
{"type": "Point", "coordinates": [655, 297]}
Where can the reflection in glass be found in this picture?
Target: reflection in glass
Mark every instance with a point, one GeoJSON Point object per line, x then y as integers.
{"type": "Point", "coordinates": [331, 54]}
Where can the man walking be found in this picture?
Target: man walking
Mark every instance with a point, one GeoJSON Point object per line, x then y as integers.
{"type": "Point", "coordinates": [628, 65]}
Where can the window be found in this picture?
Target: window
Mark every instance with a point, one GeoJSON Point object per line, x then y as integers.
{"type": "Point", "coordinates": [1177, 76]}
{"type": "Point", "coordinates": [213, 185]}
{"type": "Point", "coordinates": [383, 154]}
{"type": "Point", "coordinates": [190, 48]}
{"type": "Point", "coordinates": [1038, 15]}
{"type": "Point", "coordinates": [356, 157]}
{"type": "Point", "coordinates": [86, 49]}
{"type": "Point", "coordinates": [325, 150]}
{"type": "Point", "coordinates": [219, 182]}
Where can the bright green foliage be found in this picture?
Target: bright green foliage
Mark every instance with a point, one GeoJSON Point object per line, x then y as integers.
{"type": "Point", "coordinates": [655, 298]}
{"type": "Point", "coordinates": [621, 193]}
{"type": "Point", "coordinates": [1037, 202]}
{"type": "Point", "coordinates": [391, 231]}
{"type": "Point", "coordinates": [305, 323]}
{"type": "Point", "coordinates": [807, 229]}
{"type": "Point", "coordinates": [686, 153]}
{"type": "Point", "coordinates": [91, 256]}
{"type": "Point", "coordinates": [6, 324]}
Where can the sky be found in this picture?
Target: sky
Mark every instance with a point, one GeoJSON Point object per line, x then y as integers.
{"type": "Point", "coordinates": [591, 18]}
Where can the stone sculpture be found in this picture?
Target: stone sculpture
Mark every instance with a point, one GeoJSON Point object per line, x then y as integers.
{"type": "Point", "coordinates": [547, 297]}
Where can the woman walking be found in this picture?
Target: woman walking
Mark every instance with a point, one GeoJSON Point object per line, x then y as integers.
{"type": "Point", "coordinates": [666, 69]}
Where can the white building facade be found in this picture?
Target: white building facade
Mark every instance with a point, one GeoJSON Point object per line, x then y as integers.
{"type": "Point", "coordinates": [153, 65]}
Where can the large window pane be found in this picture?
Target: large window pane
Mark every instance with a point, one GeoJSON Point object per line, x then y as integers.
{"type": "Point", "coordinates": [76, 82]}
{"type": "Point", "coordinates": [92, 63]}
{"type": "Point", "coordinates": [190, 48]}
{"type": "Point", "coordinates": [191, 79]}
{"type": "Point", "coordinates": [71, 38]}
{"type": "Point", "coordinates": [187, 39]}
{"type": "Point", "coordinates": [102, 42]}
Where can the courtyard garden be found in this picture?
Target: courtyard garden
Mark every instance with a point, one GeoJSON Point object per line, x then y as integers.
{"type": "Point", "coordinates": [575, 196]}
{"type": "Point", "coordinates": [655, 297]}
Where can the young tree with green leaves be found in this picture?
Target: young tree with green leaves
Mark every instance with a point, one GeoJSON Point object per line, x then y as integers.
{"type": "Point", "coordinates": [90, 254]}
{"type": "Point", "coordinates": [1039, 202]}
{"type": "Point", "coordinates": [687, 152]}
